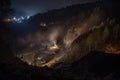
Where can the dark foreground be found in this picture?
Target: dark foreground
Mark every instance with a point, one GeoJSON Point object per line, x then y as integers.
{"type": "Point", "coordinates": [95, 66]}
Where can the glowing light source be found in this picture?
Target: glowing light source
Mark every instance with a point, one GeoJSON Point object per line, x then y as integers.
{"type": "Point", "coordinates": [54, 47]}
{"type": "Point", "coordinates": [28, 17]}
{"type": "Point", "coordinates": [29, 63]}
{"type": "Point", "coordinates": [43, 24]}
{"type": "Point", "coordinates": [39, 58]}
{"type": "Point", "coordinates": [20, 19]}
{"type": "Point", "coordinates": [7, 20]}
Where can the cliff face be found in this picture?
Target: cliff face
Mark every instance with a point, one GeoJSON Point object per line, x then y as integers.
{"type": "Point", "coordinates": [69, 34]}
{"type": "Point", "coordinates": [63, 39]}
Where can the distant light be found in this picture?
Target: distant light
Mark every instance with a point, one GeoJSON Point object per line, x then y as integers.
{"type": "Point", "coordinates": [14, 18]}
{"type": "Point", "coordinates": [28, 17]}
{"type": "Point", "coordinates": [55, 47]}
{"type": "Point", "coordinates": [20, 19]}
{"type": "Point", "coordinates": [39, 58]}
{"type": "Point", "coordinates": [29, 63]}
{"type": "Point", "coordinates": [43, 24]}
{"type": "Point", "coordinates": [7, 20]}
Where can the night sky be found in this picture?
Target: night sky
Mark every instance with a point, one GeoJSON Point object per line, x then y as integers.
{"type": "Point", "coordinates": [30, 7]}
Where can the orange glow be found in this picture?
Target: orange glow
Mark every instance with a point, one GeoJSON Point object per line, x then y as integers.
{"type": "Point", "coordinates": [43, 24]}
{"type": "Point", "coordinates": [7, 20]}
{"type": "Point", "coordinates": [54, 47]}
{"type": "Point", "coordinates": [112, 49]}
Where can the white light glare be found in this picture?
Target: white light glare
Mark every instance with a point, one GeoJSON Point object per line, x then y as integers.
{"type": "Point", "coordinates": [20, 19]}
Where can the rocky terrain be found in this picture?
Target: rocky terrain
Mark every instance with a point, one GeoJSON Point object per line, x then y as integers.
{"type": "Point", "coordinates": [80, 42]}
{"type": "Point", "coordinates": [58, 37]}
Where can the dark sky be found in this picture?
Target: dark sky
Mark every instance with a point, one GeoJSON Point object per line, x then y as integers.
{"type": "Point", "coordinates": [30, 7]}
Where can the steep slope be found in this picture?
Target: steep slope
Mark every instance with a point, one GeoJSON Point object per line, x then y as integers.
{"type": "Point", "coordinates": [12, 68]}
{"type": "Point", "coordinates": [95, 66]}
{"type": "Point", "coordinates": [59, 38]}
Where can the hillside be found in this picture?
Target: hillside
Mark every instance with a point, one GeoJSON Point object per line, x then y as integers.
{"type": "Point", "coordinates": [78, 42]}
{"type": "Point", "coordinates": [94, 66]}
{"type": "Point", "coordinates": [59, 35]}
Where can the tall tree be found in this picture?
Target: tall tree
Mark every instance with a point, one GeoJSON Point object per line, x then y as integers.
{"type": "Point", "coordinates": [5, 9]}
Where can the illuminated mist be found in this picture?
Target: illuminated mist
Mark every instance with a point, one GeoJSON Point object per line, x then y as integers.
{"type": "Point", "coordinates": [80, 28]}
{"type": "Point", "coordinates": [43, 49]}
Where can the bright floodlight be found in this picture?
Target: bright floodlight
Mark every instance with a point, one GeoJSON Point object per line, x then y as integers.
{"type": "Point", "coordinates": [20, 19]}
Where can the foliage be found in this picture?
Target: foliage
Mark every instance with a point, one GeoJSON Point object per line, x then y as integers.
{"type": "Point", "coordinates": [116, 30]}
{"type": "Point", "coordinates": [105, 33]}
{"type": "Point", "coordinates": [89, 40]}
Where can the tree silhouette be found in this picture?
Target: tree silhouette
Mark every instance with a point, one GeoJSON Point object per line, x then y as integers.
{"type": "Point", "coordinates": [5, 9]}
{"type": "Point", "coordinates": [89, 41]}
{"type": "Point", "coordinates": [105, 33]}
{"type": "Point", "coordinates": [116, 31]}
